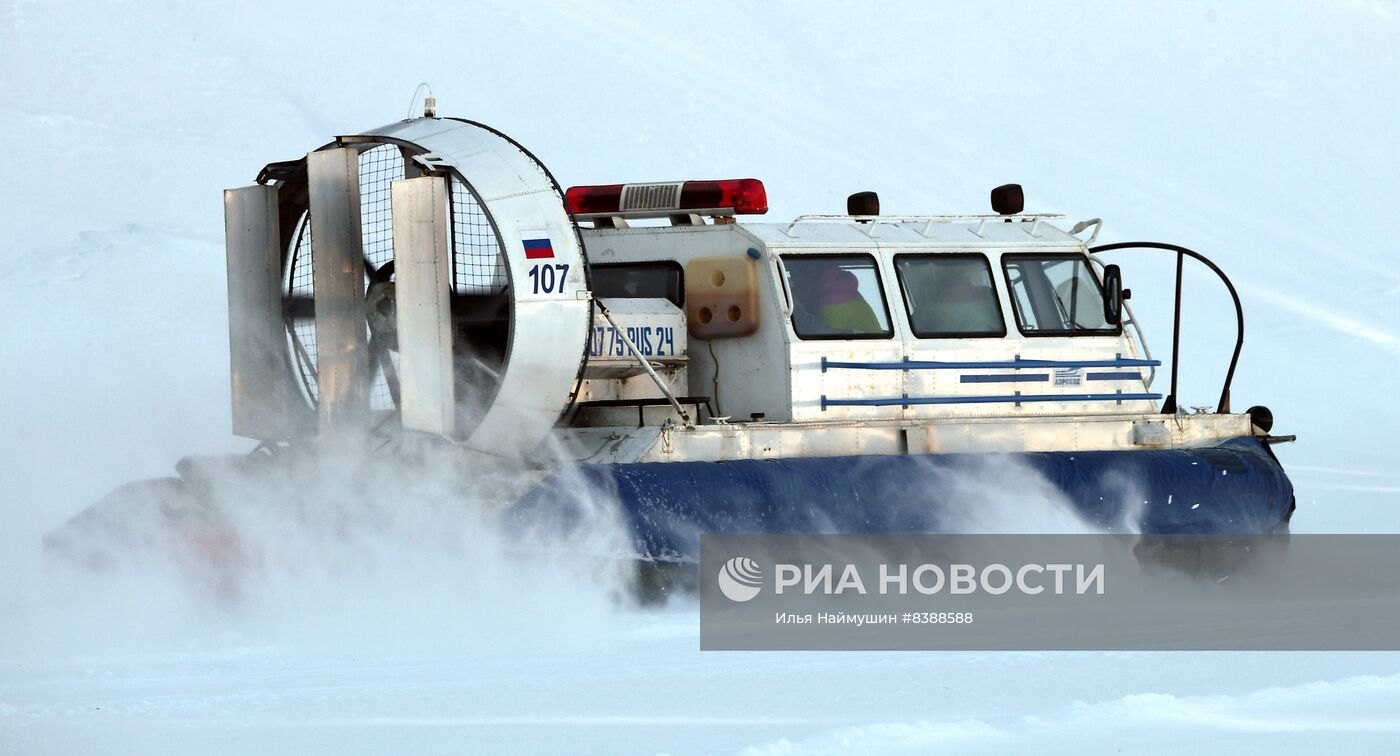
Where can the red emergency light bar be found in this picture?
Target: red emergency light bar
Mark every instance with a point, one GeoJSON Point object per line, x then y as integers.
{"type": "Point", "coordinates": [727, 197]}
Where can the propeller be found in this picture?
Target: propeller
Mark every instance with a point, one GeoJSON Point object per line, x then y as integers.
{"type": "Point", "coordinates": [381, 313]}
{"type": "Point", "coordinates": [380, 319]}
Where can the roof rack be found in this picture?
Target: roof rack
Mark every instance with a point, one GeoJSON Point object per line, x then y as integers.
{"type": "Point", "coordinates": [871, 223]}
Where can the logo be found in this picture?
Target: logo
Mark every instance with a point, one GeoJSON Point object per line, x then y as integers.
{"type": "Point", "coordinates": [1068, 376]}
{"type": "Point", "coordinates": [740, 579]}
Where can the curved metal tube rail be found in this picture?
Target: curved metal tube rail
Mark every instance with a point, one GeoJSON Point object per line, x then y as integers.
{"type": "Point", "coordinates": [1223, 407]}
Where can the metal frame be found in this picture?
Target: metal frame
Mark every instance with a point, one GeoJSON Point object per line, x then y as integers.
{"type": "Point", "coordinates": [338, 274]}
{"type": "Point", "coordinates": [422, 141]}
{"type": "Point", "coordinates": [870, 223]}
{"type": "Point", "coordinates": [1016, 364]}
{"type": "Point", "coordinates": [1018, 398]}
{"type": "Point", "coordinates": [1016, 308]}
{"type": "Point", "coordinates": [646, 366]}
{"type": "Point", "coordinates": [263, 399]}
{"type": "Point", "coordinates": [418, 150]}
{"type": "Point", "coordinates": [412, 152]}
{"type": "Point", "coordinates": [303, 367]}
{"type": "Point", "coordinates": [1170, 406]}
{"type": "Point", "coordinates": [711, 212]}
{"type": "Point", "coordinates": [423, 262]}
{"type": "Point", "coordinates": [905, 400]}
{"type": "Point", "coordinates": [1131, 319]}
{"type": "Point", "coordinates": [665, 263]}
{"type": "Point", "coordinates": [573, 221]}
{"type": "Point", "coordinates": [699, 402]}
{"type": "Point", "coordinates": [888, 335]}
{"type": "Point", "coordinates": [904, 291]}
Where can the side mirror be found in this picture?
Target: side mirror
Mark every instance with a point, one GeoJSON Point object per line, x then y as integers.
{"type": "Point", "coordinates": [1113, 295]}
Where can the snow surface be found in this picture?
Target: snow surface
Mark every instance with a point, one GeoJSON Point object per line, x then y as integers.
{"type": "Point", "coordinates": [1263, 134]}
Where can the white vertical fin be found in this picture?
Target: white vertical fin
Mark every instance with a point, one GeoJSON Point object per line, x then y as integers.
{"type": "Point", "coordinates": [423, 305]}
{"type": "Point", "coordinates": [338, 277]}
{"type": "Point", "coordinates": [256, 336]}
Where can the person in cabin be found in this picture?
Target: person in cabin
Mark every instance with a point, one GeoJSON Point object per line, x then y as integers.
{"type": "Point", "coordinates": [802, 282]}
{"type": "Point", "coordinates": [827, 301]}
{"type": "Point", "coordinates": [841, 306]}
{"type": "Point", "coordinates": [953, 298]}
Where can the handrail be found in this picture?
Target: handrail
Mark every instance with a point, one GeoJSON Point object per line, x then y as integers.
{"type": "Point", "coordinates": [908, 364]}
{"type": "Point", "coordinates": [1129, 318]}
{"type": "Point", "coordinates": [929, 219]}
{"type": "Point", "coordinates": [621, 334]}
{"type": "Point", "coordinates": [1169, 407]}
{"type": "Point", "coordinates": [1018, 399]}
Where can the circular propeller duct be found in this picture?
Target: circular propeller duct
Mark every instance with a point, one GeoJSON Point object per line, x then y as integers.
{"type": "Point", "coordinates": [516, 276]}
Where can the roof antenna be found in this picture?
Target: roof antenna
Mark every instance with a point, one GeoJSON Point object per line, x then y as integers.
{"type": "Point", "coordinates": [429, 102]}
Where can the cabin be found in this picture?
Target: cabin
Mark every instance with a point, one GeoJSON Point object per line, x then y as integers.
{"type": "Point", "coordinates": [938, 326]}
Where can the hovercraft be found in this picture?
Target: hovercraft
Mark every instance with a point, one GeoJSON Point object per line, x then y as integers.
{"type": "Point", "coordinates": [709, 374]}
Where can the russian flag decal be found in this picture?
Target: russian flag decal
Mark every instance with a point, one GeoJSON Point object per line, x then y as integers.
{"type": "Point", "coordinates": [538, 249]}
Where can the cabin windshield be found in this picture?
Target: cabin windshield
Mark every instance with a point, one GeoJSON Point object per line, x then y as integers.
{"type": "Point", "coordinates": [1056, 295]}
{"type": "Point", "coordinates": [836, 297]}
{"type": "Point", "coordinates": [950, 296]}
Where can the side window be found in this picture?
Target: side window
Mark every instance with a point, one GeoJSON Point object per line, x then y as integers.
{"type": "Point", "coordinates": [1056, 295]}
{"type": "Point", "coordinates": [653, 280]}
{"type": "Point", "coordinates": [836, 297]}
{"type": "Point", "coordinates": [950, 296]}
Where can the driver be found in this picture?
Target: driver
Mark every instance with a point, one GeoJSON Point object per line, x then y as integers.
{"type": "Point", "coordinates": [841, 306]}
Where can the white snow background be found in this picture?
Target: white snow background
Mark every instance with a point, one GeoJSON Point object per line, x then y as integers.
{"type": "Point", "coordinates": [1262, 134]}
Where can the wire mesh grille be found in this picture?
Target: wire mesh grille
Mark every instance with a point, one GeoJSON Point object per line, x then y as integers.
{"type": "Point", "coordinates": [477, 264]}
{"type": "Point", "coordinates": [378, 167]}
{"type": "Point", "coordinates": [301, 327]}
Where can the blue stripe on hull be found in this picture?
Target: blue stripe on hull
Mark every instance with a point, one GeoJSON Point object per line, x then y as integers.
{"type": "Point", "coordinates": [1237, 487]}
{"type": "Point", "coordinates": [1006, 378]}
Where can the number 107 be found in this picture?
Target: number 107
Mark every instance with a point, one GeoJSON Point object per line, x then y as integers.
{"type": "Point", "coordinates": [547, 279]}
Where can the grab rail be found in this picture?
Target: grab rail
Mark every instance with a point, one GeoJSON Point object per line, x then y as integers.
{"type": "Point", "coordinates": [1018, 399]}
{"type": "Point", "coordinates": [1169, 407]}
{"type": "Point", "coordinates": [871, 222]}
{"type": "Point", "coordinates": [908, 364]}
